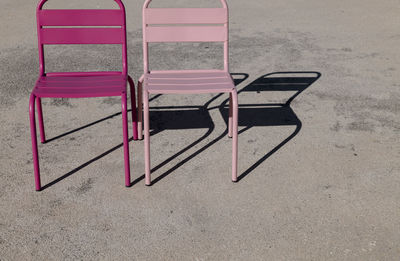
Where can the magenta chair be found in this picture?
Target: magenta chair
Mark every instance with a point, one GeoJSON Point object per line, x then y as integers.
{"type": "Point", "coordinates": [78, 26]}
{"type": "Point", "coordinates": [185, 25]}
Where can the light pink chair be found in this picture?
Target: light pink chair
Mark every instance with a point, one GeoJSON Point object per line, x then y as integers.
{"type": "Point", "coordinates": [79, 26]}
{"type": "Point", "coordinates": [185, 25]}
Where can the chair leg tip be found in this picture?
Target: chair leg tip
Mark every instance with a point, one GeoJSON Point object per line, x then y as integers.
{"type": "Point", "coordinates": [234, 180]}
{"type": "Point", "coordinates": [148, 184]}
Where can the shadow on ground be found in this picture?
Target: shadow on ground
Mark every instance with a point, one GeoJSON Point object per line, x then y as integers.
{"type": "Point", "coordinates": [198, 117]}
{"type": "Point", "coordinates": [273, 114]}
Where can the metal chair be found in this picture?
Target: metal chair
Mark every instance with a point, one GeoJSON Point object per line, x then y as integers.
{"type": "Point", "coordinates": [185, 25]}
{"type": "Point", "coordinates": [81, 26]}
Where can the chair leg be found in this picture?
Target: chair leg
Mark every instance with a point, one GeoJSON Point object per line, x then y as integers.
{"type": "Point", "coordinates": [230, 117]}
{"type": "Point", "coordinates": [133, 106]}
{"type": "Point", "coordinates": [146, 137]}
{"type": "Point", "coordinates": [40, 118]}
{"type": "Point", "coordinates": [140, 110]}
{"type": "Point", "coordinates": [235, 109]}
{"type": "Point", "coordinates": [126, 139]}
{"type": "Point", "coordinates": [34, 142]}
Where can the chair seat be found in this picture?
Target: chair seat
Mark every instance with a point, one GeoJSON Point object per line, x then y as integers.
{"type": "Point", "coordinates": [188, 82]}
{"type": "Point", "coordinates": [80, 86]}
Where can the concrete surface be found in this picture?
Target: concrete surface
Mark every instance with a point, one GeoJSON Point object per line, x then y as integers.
{"type": "Point", "coordinates": [319, 177]}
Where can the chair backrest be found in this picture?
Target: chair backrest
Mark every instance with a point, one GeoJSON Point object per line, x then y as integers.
{"type": "Point", "coordinates": [81, 26]}
{"type": "Point", "coordinates": [185, 25]}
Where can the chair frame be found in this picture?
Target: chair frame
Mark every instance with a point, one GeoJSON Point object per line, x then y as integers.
{"type": "Point", "coordinates": [50, 32]}
{"type": "Point", "coordinates": [185, 16]}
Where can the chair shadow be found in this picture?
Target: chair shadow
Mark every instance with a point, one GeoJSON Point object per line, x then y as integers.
{"type": "Point", "coordinates": [82, 166]}
{"type": "Point", "coordinates": [95, 158]}
{"type": "Point", "coordinates": [92, 123]}
{"type": "Point", "coordinates": [255, 115]}
{"type": "Point", "coordinates": [272, 114]}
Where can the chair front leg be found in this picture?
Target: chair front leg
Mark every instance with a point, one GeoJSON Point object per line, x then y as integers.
{"type": "Point", "coordinates": [35, 155]}
{"type": "Point", "coordinates": [140, 109]}
{"type": "Point", "coordinates": [125, 139]}
{"type": "Point", "coordinates": [146, 137]}
{"type": "Point", "coordinates": [133, 106]}
{"type": "Point", "coordinates": [235, 116]}
{"type": "Point", "coordinates": [40, 118]}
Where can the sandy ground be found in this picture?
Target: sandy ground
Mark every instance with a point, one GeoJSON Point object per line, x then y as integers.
{"type": "Point", "coordinates": [319, 177]}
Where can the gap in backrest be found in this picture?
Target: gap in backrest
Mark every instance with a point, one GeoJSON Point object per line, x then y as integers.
{"type": "Point", "coordinates": [75, 58]}
{"type": "Point", "coordinates": [185, 4]}
{"type": "Point", "coordinates": [186, 56]}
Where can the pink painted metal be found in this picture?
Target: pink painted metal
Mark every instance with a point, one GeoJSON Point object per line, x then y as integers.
{"type": "Point", "coordinates": [186, 16]}
{"type": "Point", "coordinates": [81, 36]}
{"type": "Point", "coordinates": [51, 28]}
{"type": "Point", "coordinates": [186, 34]}
{"type": "Point", "coordinates": [183, 82]}
{"type": "Point", "coordinates": [80, 17]}
{"type": "Point", "coordinates": [176, 25]}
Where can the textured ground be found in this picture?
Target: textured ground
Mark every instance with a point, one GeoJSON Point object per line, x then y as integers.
{"type": "Point", "coordinates": [319, 176]}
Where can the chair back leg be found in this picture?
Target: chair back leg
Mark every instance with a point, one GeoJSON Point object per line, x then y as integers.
{"type": "Point", "coordinates": [126, 139]}
{"type": "Point", "coordinates": [40, 119]}
{"type": "Point", "coordinates": [133, 106]}
{"type": "Point", "coordinates": [230, 117]}
{"type": "Point", "coordinates": [146, 138]}
{"type": "Point", "coordinates": [140, 110]}
{"type": "Point", "coordinates": [235, 114]}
